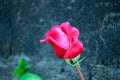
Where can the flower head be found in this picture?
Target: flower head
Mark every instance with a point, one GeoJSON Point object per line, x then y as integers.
{"type": "Point", "coordinates": [64, 39]}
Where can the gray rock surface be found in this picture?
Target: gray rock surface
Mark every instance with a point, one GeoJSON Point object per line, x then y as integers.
{"type": "Point", "coordinates": [24, 22]}
{"type": "Point", "coordinates": [5, 28]}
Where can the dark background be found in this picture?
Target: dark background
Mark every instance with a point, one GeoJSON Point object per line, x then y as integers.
{"type": "Point", "coordinates": [24, 22]}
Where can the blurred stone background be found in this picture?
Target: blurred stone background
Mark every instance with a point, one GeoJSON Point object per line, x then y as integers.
{"type": "Point", "coordinates": [24, 22]}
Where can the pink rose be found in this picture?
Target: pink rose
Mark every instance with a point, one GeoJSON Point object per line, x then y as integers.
{"type": "Point", "coordinates": [64, 39]}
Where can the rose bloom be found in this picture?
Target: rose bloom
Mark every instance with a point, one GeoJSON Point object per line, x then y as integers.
{"type": "Point", "coordinates": [64, 40]}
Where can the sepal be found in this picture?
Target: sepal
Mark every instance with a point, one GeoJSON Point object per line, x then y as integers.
{"type": "Point", "coordinates": [75, 61]}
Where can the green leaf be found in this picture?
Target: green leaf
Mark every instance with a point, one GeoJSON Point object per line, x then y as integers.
{"type": "Point", "coordinates": [30, 76]}
{"type": "Point", "coordinates": [23, 66]}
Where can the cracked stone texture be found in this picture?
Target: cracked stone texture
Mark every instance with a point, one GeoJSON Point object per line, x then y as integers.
{"type": "Point", "coordinates": [24, 22]}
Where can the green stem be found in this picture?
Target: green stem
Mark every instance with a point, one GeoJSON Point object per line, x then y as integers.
{"type": "Point", "coordinates": [79, 72]}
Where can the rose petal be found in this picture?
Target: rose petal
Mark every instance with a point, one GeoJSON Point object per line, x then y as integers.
{"type": "Point", "coordinates": [42, 41]}
{"type": "Point", "coordinates": [74, 50]}
{"type": "Point", "coordinates": [59, 49]}
{"type": "Point", "coordinates": [60, 52]}
{"type": "Point", "coordinates": [67, 29]}
{"type": "Point", "coordinates": [57, 37]}
{"type": "Point", "coordinates": [75, 34]}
